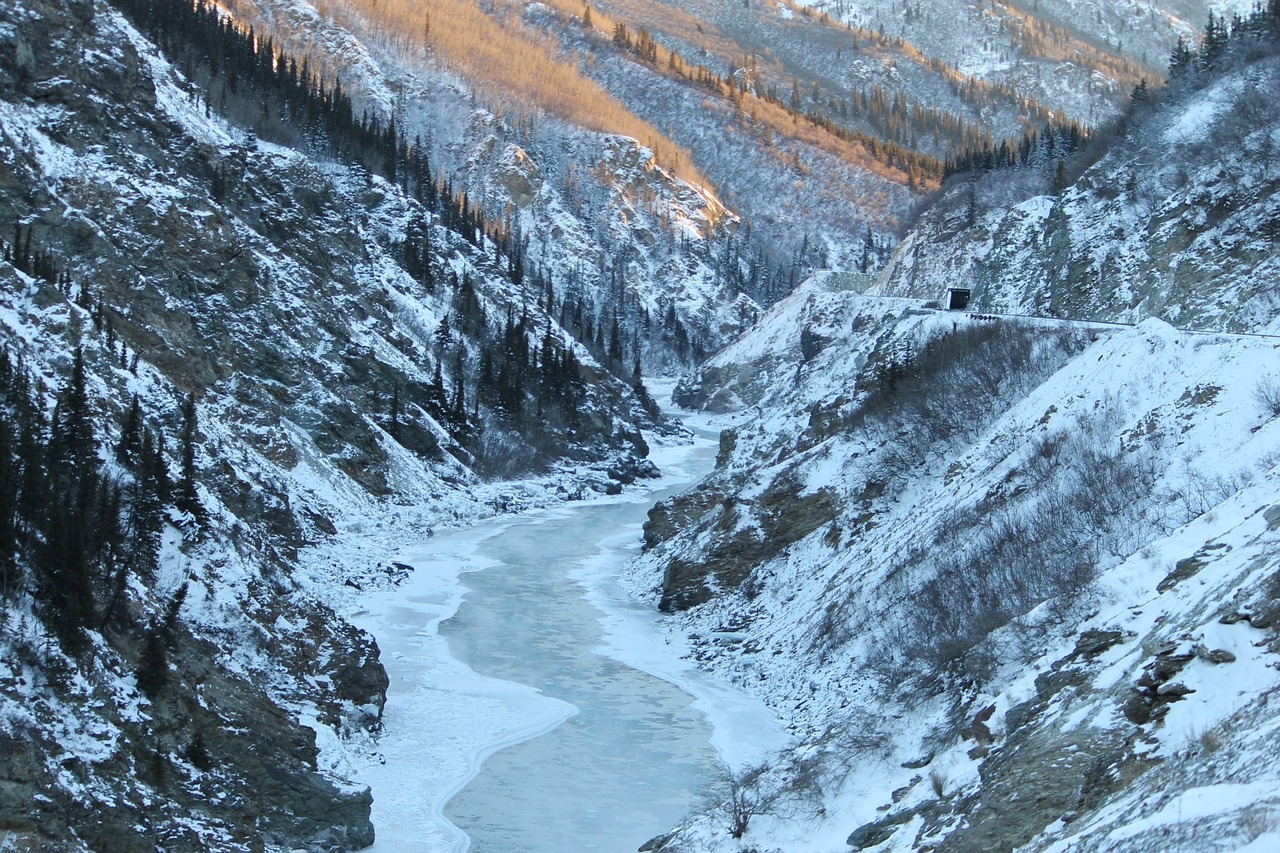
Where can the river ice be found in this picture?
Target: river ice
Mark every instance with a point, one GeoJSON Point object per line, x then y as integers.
{"type": "Point", "coordinates": [550, 711]}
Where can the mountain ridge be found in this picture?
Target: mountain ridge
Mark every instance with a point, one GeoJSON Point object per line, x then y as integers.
{"type": "Point", "coordinates": [1155, 220]}
{"type": "Point", "coordinates": [270, 347]}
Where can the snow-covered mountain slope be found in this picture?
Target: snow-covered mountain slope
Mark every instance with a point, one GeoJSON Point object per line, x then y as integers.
{"type": "Point", "coordinates": [1010, 581]}
{"type": "Point", "coordinates": [598, 216]}
{"type": "Point", "coordinates": [912, 80]}
{"type": "Point", "coordinates": [281, 362]}
{"type": "Point", "coordinates": [1081, 58]}
{"type": "Point", "coordinates": [625, 233]}
{"type": "Point", "coordinates": [764, 364]}
{"type": "Point", "coordinates": [922, 79]}
{"type": "Point", "coordinates": [1175, 215]}
{"type": "Point", "coordinates": [949, 76]}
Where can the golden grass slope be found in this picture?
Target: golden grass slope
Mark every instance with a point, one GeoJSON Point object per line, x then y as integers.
{"type": "Point", "coordinates": [510, 66]}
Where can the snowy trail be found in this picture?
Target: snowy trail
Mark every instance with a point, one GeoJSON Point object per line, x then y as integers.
{"type": "Point", "coordinates": [592, 731]}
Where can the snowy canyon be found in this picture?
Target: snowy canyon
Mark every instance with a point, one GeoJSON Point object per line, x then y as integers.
{"type": "Point", "coordinates": [392, 456]}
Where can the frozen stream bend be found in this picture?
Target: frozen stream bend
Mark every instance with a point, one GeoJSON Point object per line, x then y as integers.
{"type": "Point", "coordinates": [512, 647]}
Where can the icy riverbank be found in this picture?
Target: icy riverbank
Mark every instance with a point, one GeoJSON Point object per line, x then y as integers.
{"type": "Point", "coordinates": [445, 719]}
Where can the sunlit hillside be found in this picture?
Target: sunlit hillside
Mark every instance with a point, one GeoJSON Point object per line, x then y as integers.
{"type": "Point", "coordinates": [823, 126]}
{"type": "Point", "coordinates": [741, 84]}
{"type": "Point", "coordinates": [512, 69]}
{"type": "Point", "coordinates": [820, 63]}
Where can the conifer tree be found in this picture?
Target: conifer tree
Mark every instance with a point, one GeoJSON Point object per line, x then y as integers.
{"type": "Point", "coordinates": [150, 495]}
{"type": "Point", "coordinates": [72, 439]}
{"type": "Point", "coordinates": [1059, 184]}
{"type": "Point", "coordinates": [153, 664]}
{"type": "Point", "coordinates": [459, 394]}
{"type": "Point", "coordinates": [185, 496]}
{"type": "Point", "coordinates": [198, 753]}
{"type": "Point", "coordinates": [63, 573]}
{"type": "Point", "coordinates": [130, 444]}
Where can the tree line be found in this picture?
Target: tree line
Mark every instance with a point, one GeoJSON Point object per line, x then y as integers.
{"type": "Point", "coordinates": [1045, 148]}
{"type": "Point", "coordinates": [1052, 148]}
{"type": "Point", "coordinates": [1260, 27]}
{"type": "Point", "coordinates": [250, 81]}
{"type": "Point", "coordinates": [522, 388]}
{"type": "Point", "coordinates": [752, 99]}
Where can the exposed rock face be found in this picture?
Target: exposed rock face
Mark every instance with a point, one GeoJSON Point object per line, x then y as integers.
{"type": "Point", "coordinates": [769, 362]}
{"type": "Point", "coordinates": [744, 535]}
{"type": "Point", "coordinates": [667, 518]}
{"type": "Point", "coordinates": [208, 762]}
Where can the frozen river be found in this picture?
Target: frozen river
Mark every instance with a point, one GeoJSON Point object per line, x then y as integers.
{"type": "Point", "coordinates": [533, 705]}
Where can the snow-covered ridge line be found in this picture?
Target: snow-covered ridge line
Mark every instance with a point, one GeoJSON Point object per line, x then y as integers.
{"type": "Point", "coordinates": [598, 218]}
{"type": "Point", "coordinates": [1159, 223]}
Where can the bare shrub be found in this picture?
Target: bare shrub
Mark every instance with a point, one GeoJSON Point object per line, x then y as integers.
{"type": "Point", "coordinates": [1201, 491]}
{"type": "Point", "coordinates": [996, 561]}
{"type": "Point", "coordinates": [938, 782]}
{"type": "Point", "coordinates": [953, 385]}
{"type": "Point", "coordinates": [1267, 396]}
{"type": "Point", "coordinates": [744, 802]}
{"type": "Point", "coordinates": [1209, 741]}
{"type": "Point", "coordinates": [1044, 455]}
{"type": "Point", "coordinates": [1258, 819]}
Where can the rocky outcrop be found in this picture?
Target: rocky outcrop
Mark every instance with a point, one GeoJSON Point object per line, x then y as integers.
{"type": "Point", "coordinates": [204, 760]}
{"type": "Point", "coordinates": [169, 291]}
{"type": "Point", "coordinates": [744, 535]}
{"type": "Point", "coordinates": [946, 443]}
{"type": "Point", "coordinates": [768, 360]}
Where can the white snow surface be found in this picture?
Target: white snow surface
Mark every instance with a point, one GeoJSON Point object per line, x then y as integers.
{"type": "Point", "coordinates": [247, 606]}
{"type": "Point", "coordinates": [1160, 225]}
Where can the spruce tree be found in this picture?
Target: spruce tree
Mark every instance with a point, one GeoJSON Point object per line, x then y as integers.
{"type": "Point", "coordinates": [185, 496]}
{"type": "Point", "coordinates": [130, 444]}
{"type": "Point", "coordinates": [146, 511]}
{"type": "Point", "coordinates": [198, 754]}
{"type": "Point", "coordinates": [72, 441]}
{"type": "Point", "coordinates": [1059, 183]}
{"type": "Point", "coordinates": [63, 573]}
{"type": "Point", "coordinates": [153, 664]}
{"type": "Point", "coordinates": [459, 395]}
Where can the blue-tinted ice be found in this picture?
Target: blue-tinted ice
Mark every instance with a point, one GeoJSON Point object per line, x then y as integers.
{"type": "Point", "coordinates": [633, 760]}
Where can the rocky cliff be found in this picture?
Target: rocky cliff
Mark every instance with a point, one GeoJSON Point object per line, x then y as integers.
{"type": "Point", "coordinates": [597, 215]}
{"type": "Point", "coordinates": [1006, 582]}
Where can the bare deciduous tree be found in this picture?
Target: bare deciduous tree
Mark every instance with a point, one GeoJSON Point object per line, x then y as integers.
{"type": "Point", "coordinates": [745, 800]}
